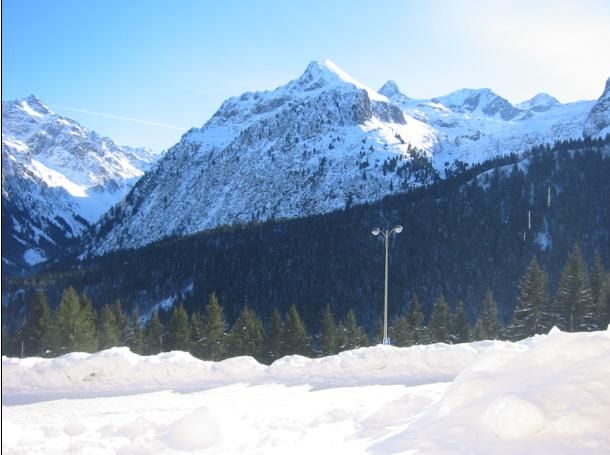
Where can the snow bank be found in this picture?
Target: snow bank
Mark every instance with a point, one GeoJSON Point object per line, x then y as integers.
{"type": "Point", "coordinates": [546, 394]}
{"type": "Point", "coordinates": [557, 393]}
{"type": "Point", "coordinates": [118, 369]}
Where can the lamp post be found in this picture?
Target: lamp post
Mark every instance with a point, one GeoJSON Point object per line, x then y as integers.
{"type": "Point", "coordinates": [386, 234]}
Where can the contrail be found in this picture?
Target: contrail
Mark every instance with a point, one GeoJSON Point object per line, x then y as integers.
{"type": "Point", "coordinates": [118, 117]}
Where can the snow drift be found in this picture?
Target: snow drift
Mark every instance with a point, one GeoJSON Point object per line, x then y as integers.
{"type": "Point", "coordinates": [546, 394]}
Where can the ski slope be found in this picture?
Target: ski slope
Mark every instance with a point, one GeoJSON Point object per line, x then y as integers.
{"type": "Point", "coordinates": [546, 394]}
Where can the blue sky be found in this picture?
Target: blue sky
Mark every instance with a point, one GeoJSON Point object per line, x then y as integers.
{"type": "Point", "coordinates": [161, 67]}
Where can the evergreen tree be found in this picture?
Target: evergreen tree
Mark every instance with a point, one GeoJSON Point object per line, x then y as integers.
{"type": "Point", "coordinates": [603, 308]}
{"type": "Point", "coordinates": [598, 293]}
{"type": "Point", "coordinates": [121, 321]}
{"type": "Point", "coordinates": [215, 343]}
{"type": "Point", "coordinates": [75, 324]}
{"type": "Point", "coordinates": [419, 333]}
{"type": "Point", "coordinates": [400, 331]}
{"type": "Point", "coordinates": [295, 333]}
{"type": "Point", "coordinates": [197, 335]}
{"type": "Point", "coordinates": [134, 334]}
{"type": "Point", "coordinates": [574, 299]}
{"type": "Point", "coordinates": [533, 313]}
{"type": "Point", "coordinates": [274, 344]}
{"type": "Point", "coordinates": [153, 335]}
{"type": "Point", "coordinates": [247, 335]}
{"type": "Point", "coordinates": [178, 330]}
{"type": "Point", "coordinates": [460, 326]}
{"type": "Point", "coordinates": [328, 335]}
{"type": "Point", "coordinates": [341, 337]}
{"type": "Point", "coordinates": [486, 327]}
{"type": "Point", "coordinates": [440, 321]}
{"type": "Point", "coordinates": [355, 334]}
{"type": "Point", "coordinates": [35, 332]}
{"type": "Point", "coordinates": [109, 332]}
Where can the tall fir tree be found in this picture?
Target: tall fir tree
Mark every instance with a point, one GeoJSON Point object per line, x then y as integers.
{"type": "Point", "coordinates": [400, 331]}
{"type": "Point", "coordinates": [274, 343]}
{"type": "Point", "coordinates": [215, 344]}
{"type": "Point", "coordinates": [356, 336]}
{"type": "Point", "coordinates": [295, 333]}
{"type": "Point", "coordinates": [341, 337]}
{"type": "Point", "coordinates": [574, 298]}
{"type": "Point", "coordinates": [328, 332]}
{"type": "Point", "coordinates": [108, 330]}
{"type": "Point", "coordinates": [460, 329]}
{"type": "Point", "coordinates": [154, 334]}
{"type": "Point", "coordinates": [247, 335]}
{"type": "Point", "coordinates": [440, 321]}
{"type": "Point", "coordinates": [133, 332]}
{"type": "Point", "coordinates": [487, 327]}
{"type": "Point", "coordinates": [178, 330]}
{"type": "Point", "coordinates": [419, 332]}
{"type": "Point", "coordinates": [35, 332]}
{"type": "Point", "coordinates": [74, 325]}
{"type": "Point", "coordinates": [598, 293]}
{"type": "Point", "coordinates": [534, 312]}
{"type": "Point", "coordinates": [197, 335]}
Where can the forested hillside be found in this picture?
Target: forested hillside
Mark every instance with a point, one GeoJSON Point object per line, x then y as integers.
{"type": "Point", "coordinates": [464, 235]}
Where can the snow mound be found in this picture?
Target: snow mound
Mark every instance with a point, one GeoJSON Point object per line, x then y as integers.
{"type": "Point", "coordinates": [119, 370]}
{"type": "Point", "coordinates": [196, 431]}
{"type": "Point", "coordinates": [557, 392]}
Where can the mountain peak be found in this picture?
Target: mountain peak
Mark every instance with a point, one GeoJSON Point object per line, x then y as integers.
{"type": "Point", "coordinates": [539, 103]}
{"type": "Point", "coordinates": [326, 73]}
{"type": "Point", "coordinates": [390, 89]}
{"type": "Point", "coordinates": [483, 100]}
{"type": "Point", "coordinates": [32, 106]}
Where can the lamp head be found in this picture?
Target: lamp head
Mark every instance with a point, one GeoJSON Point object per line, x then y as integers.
{"type": "Point", "coordinates": [376, 231]}
{"type": "Point", "coordinates": [397, 229]}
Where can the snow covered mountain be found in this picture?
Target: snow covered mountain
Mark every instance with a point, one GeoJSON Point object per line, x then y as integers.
{"type": "Point", "coordinates": [474, 125]}
{"type": "Point", "coordinates": [320, 143]}
{"type": "Point", "coordinates": [57, 179]}
{"type": "Point", "coordinates": [317, 144]}
{"type": "Point", "coordinates": [598, 120]}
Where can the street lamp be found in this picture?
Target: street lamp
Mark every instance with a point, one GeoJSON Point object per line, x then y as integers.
{"type": "Point", "coordinates": [386, 235]}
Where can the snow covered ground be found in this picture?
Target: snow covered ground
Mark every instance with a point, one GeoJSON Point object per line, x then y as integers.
{"type": "Point", "coordinates": [547, 394]}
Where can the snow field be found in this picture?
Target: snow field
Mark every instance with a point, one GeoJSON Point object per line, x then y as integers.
{"type": "Point", "coordinates": [547, 394]}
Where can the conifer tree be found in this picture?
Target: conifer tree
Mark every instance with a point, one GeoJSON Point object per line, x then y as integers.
{"type": "Point", "coordinates": [598, 293]}
{"type": "Point", "coordinates": [355, 334]}
{"type": "Point", "coordinates": [603, 307]}
{"type": "Point", "coordinates": [178, 330]}
{"type": "Point", "coordinates": [274, 344]}
{"type": "Point", "coordinates": [486, 327]}
{"type": "Point", "coordinates": [247, 335]}
{"type": "Point", "coordinates": [215, 343]}
{"type": "Point", "coordinates": [295, 333]}
{"type": "Point", "coordinates": [197, 335]}
{"type": "Point", "coordinates": [440, 321]}
{"type": "Point", "coordinates": [153, 335]}
{"type": "Point", "coordinates": [36, 331]}
{"type": "Point", "coordinates": [460, 326]}
{"type": "Point", "coordinates": [328, 335]}
{"type": "Point", "coordinates": [133, 332]}
{"type": "Point", "coordinates": [415, 317]}
{"type": "Point", "coordinates": [121, 321]}
{"type": "Point", "coordinates": [533, 313]}
{"type": "Point", "coordinates": [574, 299]}
{"type": "Point", "coordinates": [109, 332]}
{"type": "Point", "coordinates": [341, 337]}
{"type": "Point", "coordinates": [75, 324]}
{"type": "Point", "coordinates": [400, 331]}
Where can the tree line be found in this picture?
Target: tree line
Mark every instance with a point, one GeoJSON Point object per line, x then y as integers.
{"type": "Point", "coordinates": [581, 303]}
{"type": "Point", "coordinates": [475, 230]}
